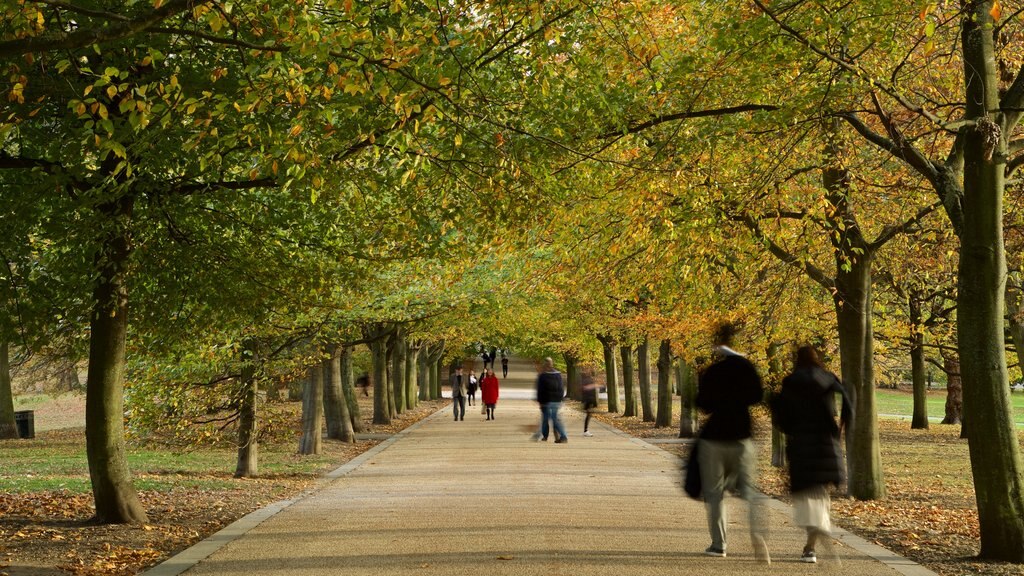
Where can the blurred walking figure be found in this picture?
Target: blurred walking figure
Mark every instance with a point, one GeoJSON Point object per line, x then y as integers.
{"type": "Point", "coordinates": [550, 391]}
{"type": "Point", "coordinates": [459, 394]}
{"type": "Point", "coordinates": [364, 382]}
{"type": "Point", "coordinates": [589, 398]}
{"type": "Point", "coordinates": [472, 386]}
{"type": "Point", "coordinates": [489, 393]}
{"type": "Point", "coordinates": [805, 411]}
{"type": "Point", "coordinates": [504, 365]}
{"type": "Point", "coordinates": [725, 391]}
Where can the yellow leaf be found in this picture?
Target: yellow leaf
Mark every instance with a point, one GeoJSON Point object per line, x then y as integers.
{"type": "Point", "coordinates": [996, 11]}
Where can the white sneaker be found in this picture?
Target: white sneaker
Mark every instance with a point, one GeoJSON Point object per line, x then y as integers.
{"type": "Point", "coordinates": [588, 434]}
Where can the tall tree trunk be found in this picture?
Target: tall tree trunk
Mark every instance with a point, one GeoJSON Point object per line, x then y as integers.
{"type": "Point", "coordinates": [423, 372]}
{"type": "Point", "coordinates": [247, 462]}
{"type": "Point", "coordinates": [349, 390]}
{"type": "Point", "coordinates": [917, 369]}
{"type": "Point", "coordinates": [389, 385]}
{"type": "Point", "coordinates": [333, 399]}
{"type": "Point", "coordinates": [993, 441]}
{"type": "Point", "coordinates": [643, 359]}
{"type": "Point", "coordinates": [398, 355]}
{"type": "Point", "coordinates": [8, 425]}
{"type": "Point", "coordinates": [436, 356]}
{"type": "Point", "coordinates": [436, 375]}
{"type": "Point", "coordinates": [664, 417]}
{"type": "Point", "coordinates": [628, 379]}
{"type": "Point", "coordinates": [572, 376]}
{"type": "Point", "coordinates": [687, 378]}
{"type": "Point", "coordinates": [346, 433]}
{"type": "Point", "coordinates": [379, 360]}
{"type": "Point", "coordinates": [312, 411]}
{"type": "Point", "coordinates": [1015, 315]}
{"type": "Point", "coordinates": [954, 390]}
{"type": "Point", "coordinates": [115, 497]}
{"type": "Point", "coordinates": [611, 372]}
{"type": "Point", "coordinates": [412, 352]}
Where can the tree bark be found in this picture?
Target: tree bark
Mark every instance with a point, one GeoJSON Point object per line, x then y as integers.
{"type": "Point", "coordinates": [115, 497]}
{"type": "Point", "coordinates": [412, 352]}
{"type": "Point", "coordinates": [333, 398]}
{"type": "Point", "coordinates": [954, 390]}
{"type": "Point", "coordinates": [346, 433]}
{"type": "Point", "coordinates": [628, 380]}
{"type": "Point", "coordinates": [389, 382]}
{"type": "Point", "coordinates": [643, 359]}
{"type": "Point", "coordinates": [687, 377]}
{"type": "Point", "coordinates": [247, 462]}
{"type": "Point", "coordinates": [8, 425]}
{"type": "Point", "coordinates": [312, 411]}
{"type": "Point", "coordinates": [917, 368]}
{"type": "Point", "coordinates": [379, 360]}
{"type": "Point", "coordinates": [664, 418]}
{"type": "Point", "coordinates": [611, 372]}
{"type": "Point", "coordinates": [398, 355]}
{"type": "Point", "coordinates": [993, 441]}
{"type": "Point", "coordinates": [572, 376]}
{"type": "Point", "coordinates": [349, 390]}
{"type": "Point", "coordinates": [423, 372]}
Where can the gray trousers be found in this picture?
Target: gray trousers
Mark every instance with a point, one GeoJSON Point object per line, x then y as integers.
{"type": "Point", "coordinates": [726, 464]}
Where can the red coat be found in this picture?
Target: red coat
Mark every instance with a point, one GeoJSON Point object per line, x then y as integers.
{"type": "Point", "coordinates": [489, 389]}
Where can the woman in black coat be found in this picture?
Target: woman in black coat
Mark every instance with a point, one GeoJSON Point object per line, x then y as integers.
{"type": "Point", "coordinates": [805, 410]}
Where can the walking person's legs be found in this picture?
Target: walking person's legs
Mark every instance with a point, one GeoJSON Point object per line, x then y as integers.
{"type": "Point", "coordinates": [711, 457]}
{"type": "Point", "coordinates": [559, 429]}
{"type": "Point", "coordinates": [544, 421]}
{"type": "Point", "coordinates": [746, 471]}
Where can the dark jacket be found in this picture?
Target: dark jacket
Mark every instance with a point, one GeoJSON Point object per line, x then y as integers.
{"type": "Point", "coordinates": [805, 410]}
{"type": "Point", "coordinates": [550, 387]}
{"type": "Point", "coordinates": [726, 390]}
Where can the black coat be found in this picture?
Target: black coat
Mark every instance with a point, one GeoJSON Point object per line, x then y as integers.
{"type": "Point", "coordinates": [726, 390]}
{"type": "Point", "coordinates": [550, 387]}
{"type": "Point", "coordinates": [805, 410]}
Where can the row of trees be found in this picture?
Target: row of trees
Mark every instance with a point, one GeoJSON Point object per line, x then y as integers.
{"type": "Point", "coordinates": [274, 183]}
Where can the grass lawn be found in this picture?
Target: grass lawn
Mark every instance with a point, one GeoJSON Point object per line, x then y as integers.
{"type": "Point", "coordinates": [900, 404]}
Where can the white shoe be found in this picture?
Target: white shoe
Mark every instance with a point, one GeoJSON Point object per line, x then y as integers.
{"type": "Point", "coordinates": [588, 434]}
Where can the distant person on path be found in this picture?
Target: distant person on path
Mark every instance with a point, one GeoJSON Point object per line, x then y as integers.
{"type": "Point", "coordinates": [550, 391]}
{"type": "Point", "coordinates": [487, 358]}
{"type": "Point", "coordinates": [471, 388]}
{"type": "Point", "coordinates": [459, 394]}
{"type": "Point", "coordinates": [504, 365]}
{"type": "Point", "coordinates": [489, 393]}
{"type": "Point", "coordinates": [364, 382]}
{"type": "Point", "coordinates": [589, 398]}
{"type": "Point", "coordinates": [725, 391]}
{"type": "Point", "coordinates": [805, 411]}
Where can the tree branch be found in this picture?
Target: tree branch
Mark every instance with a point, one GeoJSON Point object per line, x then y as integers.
{"type": "Point", "coordinates": [688, 115]}
{"type": "Point", "coordinates": [891, 231]}
{"type": "Point", "coordinates": [812, 271]}
{"type": "Point", "coordinates": [197, 187]}
{"type": "Point", "coordinates": [90, 36]}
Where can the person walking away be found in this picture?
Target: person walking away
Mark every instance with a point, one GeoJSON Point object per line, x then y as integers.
{"type": "Point", "coordinates": [504, 365]}
{"type": "Point", "coordinates": [489, 393]}
{"type": "Point", "coordinates": [550, 391]}
{"type": "Point", "coordinates": [364, 382]}
{"type": "Point", "coordinates": [459, 394]}
{"type": "Point", "coordinates": [725, 391]}
{"type": "Point", "coordinates": [589, 398]}
{"type": "Point", "coordinates": [805, 411]}
{"type": "Point", "coordinates": [486, 357]}
{"type": "Point", "coordinates": [471, 388]}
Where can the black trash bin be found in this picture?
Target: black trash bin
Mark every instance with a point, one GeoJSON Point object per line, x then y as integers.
{"type": "Point", "coordinates": [26, 422]}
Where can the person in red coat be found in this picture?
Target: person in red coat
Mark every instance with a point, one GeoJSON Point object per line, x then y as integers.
{"type": "Point", "coordinates": [489, 392]}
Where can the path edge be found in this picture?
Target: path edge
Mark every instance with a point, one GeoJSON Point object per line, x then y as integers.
{"type": "Point", "coordinates": [189, 557]}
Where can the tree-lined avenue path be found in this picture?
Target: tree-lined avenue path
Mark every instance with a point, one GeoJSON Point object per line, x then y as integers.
{"type": "Point", "coordinates": [479, 497]}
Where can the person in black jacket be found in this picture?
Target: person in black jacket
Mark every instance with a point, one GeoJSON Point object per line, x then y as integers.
{"type": "Point", "coordinates": [725, 391]}
{"type": "Point", "coordinates": [550, 391]}
{"type": "Point", "coordinates": [805, 410]}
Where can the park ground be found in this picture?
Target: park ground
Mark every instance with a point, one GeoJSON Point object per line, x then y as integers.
{"type": "Point", "coordinates": [44, 498]}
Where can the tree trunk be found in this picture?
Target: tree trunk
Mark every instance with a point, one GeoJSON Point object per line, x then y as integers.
{"type": "Point", "coordinates": [8, 425]}
{"type": "Point", "coordinates": [954, 390]}
{"type": "Point", "coordinates": [412, 351]}
{"type": "Point", "coordinates": [687, 377]}
{"type": "Point", "coordinates": [423, 372]}
{"type": "Point", "coordinates": [398, 355]}
{"type": "Point", "coordinates": [333, 399]}
{"type": "Point", "coordinates": [438, 371]}
{"type": "Point", "coordinates": [993, 441]}
{"type": "Point", "coordinates": [379, 360]}
{"type": "Point", "coordinates": [115, 497]}
{"type": "Point", "coordinates": [312, 411]}
{"type": "Point", "coordinates": [573, 383]}
{"type": "Point", "coordinates": [643, 359]}
{"type": "Point", "coordinates": [628, 380]}
{"type": "Point", "coordinates": [389, 382]}
{"type": "Point", "coordinates": [349, 390]}
{"type": "Point", "coordinates": [346, 432]}
{"type": "Point", "coordinates": [664, 417]}
{"type": "Point", "coordinates": [917, 369]}
{"type": "Point", "coordinates": [247, 462]}
{"type": "Point", "coordinates": [611, 373]}
{"type": "Point", "coordinates": [1015, 315]}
